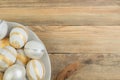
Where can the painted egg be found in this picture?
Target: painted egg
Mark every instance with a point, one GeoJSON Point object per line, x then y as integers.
{"type": "Point", "coordinates": [4, 42]}
{"type": "Point", "coordinates": [34, 49]}
{"type": "Point", "coordinates": [18, 37]}
{"type": "Point", "coordinates": [11, 50]}
{"type": "Point", "coordinates": [7, 57]}
{"type": "Point", "coordinates": [3, 29]}
{"type": "Point", "coordinates": [21, 57]}
{"type": "Point", "coordinates": [15, 72]}
{"type": "Point", "coordinates": [35, 70]}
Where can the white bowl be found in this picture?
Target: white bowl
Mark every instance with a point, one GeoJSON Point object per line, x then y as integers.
{"type": "Point", "coordinates": [45, 59]}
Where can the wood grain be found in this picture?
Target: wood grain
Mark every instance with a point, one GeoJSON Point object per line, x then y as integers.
{"type": "Point", "coordinates": [84, 32]}
{"type": "Point", "coordinates": [57, 3]}
{"type": "Point", "coordinates": [80, 39]}
{"type": "Point", "coordinates": [96, 66]}
{"type": "Point", "coordinates": [80, 16]}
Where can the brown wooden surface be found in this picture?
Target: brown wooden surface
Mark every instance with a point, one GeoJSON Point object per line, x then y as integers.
{"type": "Point", "coordinates": [82, 36]}
{"type": "Point", "coordinates": [97, 16]}
{"type": "Point", "coordinates": [95, 66]}
{"type": "Point", "coordinates": [57, 3]}
{"type": "Point", "coordinates": [80, 39]}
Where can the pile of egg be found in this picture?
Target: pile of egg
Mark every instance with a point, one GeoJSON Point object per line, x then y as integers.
{"type": "Point", "coordinates": [19, 58]}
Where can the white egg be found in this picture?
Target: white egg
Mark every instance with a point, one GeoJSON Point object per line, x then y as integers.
{"type": "Point", "coordinates": [3, 29]}
{"type": "Point", "coordinates": [15, 72]}
{"type": "Point", "coordinates": [18, 37]}
{"type": "Point", "coordinates": [35, 70]}
{"type": "Point", "coordinates": [11, 50]}
{"type": "Point", "coordinates": [34, 49]}
{"type": "Point", "coordinates": [21, 57]}
{"type": "Point", "coordinates": [7, 57]}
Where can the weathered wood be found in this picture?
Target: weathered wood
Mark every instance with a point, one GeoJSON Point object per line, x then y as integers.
{"type": "Point", "coordinates": [80, 39]}
{"type": "Point", "coordinates": [96, 66]}
{"type": "Point", "coordinates": [89, 28]}
{"type": "Point", "coordinates": [57, 3]}
{"type": "Point", "coordinates": [98, 16]}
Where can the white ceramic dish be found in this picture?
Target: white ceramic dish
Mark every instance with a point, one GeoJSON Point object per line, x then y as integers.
{"type": "Point", "coordinates": [45, 59]}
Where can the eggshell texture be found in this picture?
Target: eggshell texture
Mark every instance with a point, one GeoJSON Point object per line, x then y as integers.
{"type": "Point", "coordinates": [34, 49]}
{"type": "Point", "coordinates": [4, 42]}
{"type": "Point", "coordinates": [7, 57]}
{"type": "Point", "coordinates": [18, 37]}
{"type": "Point", "coordinates": [21, 57]}
{"type": "Point", "coordinates": [15, 72]}
{"type": "Point", "coordinates": [35, 70]}
{"type": "Point", "coordinates": [11, 50]}
{"type": "Point", "coordinates": [3, 29]}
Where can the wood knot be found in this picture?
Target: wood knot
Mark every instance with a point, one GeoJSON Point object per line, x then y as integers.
{"type": "Point", "coordinates": [68, 71]}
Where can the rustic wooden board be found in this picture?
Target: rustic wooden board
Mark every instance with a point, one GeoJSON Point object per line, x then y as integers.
{"type": "Point", "coordinates": [80, 39]}
{"type": "Point", "coordinates": [96, 66]}
{"type": "Point", "coordinates": [81, 36]}
{"type": "Point", "coordinates": [57, 3]}
{"type": "Point", "coordinates": [97, 16]}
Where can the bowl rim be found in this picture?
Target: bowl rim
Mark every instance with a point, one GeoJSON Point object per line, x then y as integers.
{"type": "Point", "coordinates": [12, 24]}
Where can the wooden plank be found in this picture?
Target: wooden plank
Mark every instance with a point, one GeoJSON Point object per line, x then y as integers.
{"type": "Point", "coordinates": [80, 39]}
{"type": "Point", "coordinates": [96, 66]}
{"type": "Point", "coordinates": [98, 16]}
{"type": "Point", "coordinates": [57, 3]}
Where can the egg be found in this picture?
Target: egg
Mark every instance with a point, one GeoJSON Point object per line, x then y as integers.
{"type": "Point", "coordinates": [7, 57]}
{"type": "Point", "coordinates": [3, 29]}
{"type": "Point", "coordinates": [34, 49]}
{"type": "Point", "coordinates": [21, 57]}
{"type": "Point", "coordinates": [1, 76]}
{"type": "Point", "coordinates": [15, 72]}
{"type": "Point", "coordinates": [11, 50]}
{"type": "Point", "coordinates": [18, 37]}
{"type": "Point", "coordinates": [4, 42]}
{"type": "Point", "coordinates": [35, 70]}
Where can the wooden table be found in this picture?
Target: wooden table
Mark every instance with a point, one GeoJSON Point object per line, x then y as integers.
{"type": "Point", "coordinates": [81, 36]}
